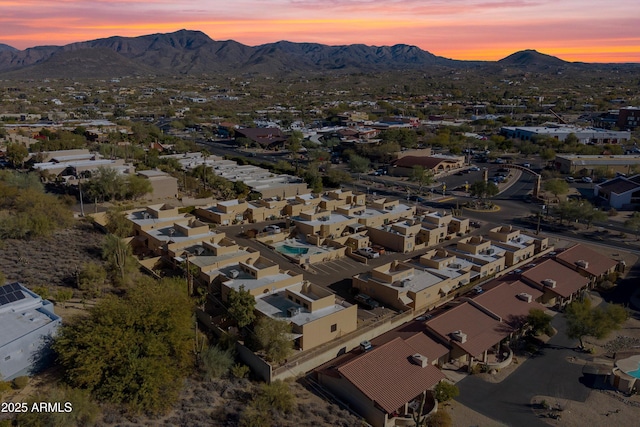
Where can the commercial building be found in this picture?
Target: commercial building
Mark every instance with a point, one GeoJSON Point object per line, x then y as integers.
{"type": "Point", "coordinates": [561, 132]}
{"type": "Point", "coordinates": [578, 164]}
{"type": "Point", "coordinates": [620, 192]}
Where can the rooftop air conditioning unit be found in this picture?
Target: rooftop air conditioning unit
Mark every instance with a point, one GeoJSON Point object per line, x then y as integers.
{"type": "Point", "coordinates": [582, 264]}
{"type": "Point", "coordinates": [234, 274]}
{"type": "Point", "coordinates": [525, 297]}
{"type": "Point", "coordinates": [420, 360]}
{"type": "Point", "coordinates": [490, 251]}
{"type": "Point", "coordinates": [145, 215]}
{"type": "Point", "coordinates": [455, 265]}
{"type": "Point", "coordinates": [459, 336]}
{"type": "Point", "coordinates": [549, 283]}
{"type": "Point", "coordinates": [365, 346]}
{"type": "Point", "coordinates": [199, 250]}
{"type": "Point", "coordinates": [293, 311]}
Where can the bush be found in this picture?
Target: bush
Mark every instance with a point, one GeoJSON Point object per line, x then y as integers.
{"type": "Point", "coordinates": [240, 371]}
{"type": "Point", "coordinates": [5, 386]}
{"type": "Point", "coordinates": [439, 419]}
{"type": "Point", "coordinates": [445, 391]}
{"type": "Point", "coordinates": [20, 382]}
{"type": "Point", "coordinates": [216, 362]}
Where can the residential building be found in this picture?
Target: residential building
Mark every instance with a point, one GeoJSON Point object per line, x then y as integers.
{"type": "Point", "coordinates": [224, 213]}
{"type": "Point", "coordinates": [170, 240]}
{"type": "Point", "coordinates": [621, 192]}
{"type": "Point", "coordinates": [482, 252]}
{"type": "Point", "coordinates": [589, 263]}
{"type": "Point", "coordinates": [518, 246]}
{"type": "Point", "coordinates": [559, 283]}
{"type": "Point", "coordinates": [163, 185]}
{"type": "Point", "coordinates": [381, 212]}
{"type": "Point", "coordinates": [404, 166]}
{"type": "Point", "coordinates": [301, 203]}
{"type": "Point", "coordinates": [265, 209]}
{"type": "Point", "coordinates": [387, 384]}
{"type": "Point", "coordinates": [628, 118]}
{"type": "Point", "coordinates": [155, 216]}
{"type": "Point", "coordinates": [322, 223]}
{"type": "Point", "coordinates": [28, 322]}
{"type": "Point", "coordinates": [400, 236]}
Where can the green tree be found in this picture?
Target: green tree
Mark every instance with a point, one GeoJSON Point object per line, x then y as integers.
{"type": "Point", "coordinates": [118, 224]}
{"type": "Point", "coordinates": [137, 186]}
{"type": "Point", "coordinates": [483, 189]}
{"type": "Point", "coordinates": [16, 154]}
{"type": "Point", "coordinates": [548, 154]}
{"type": "Point", "coordinates": [120, 261]}
{"type": "Point", "coordinates": [539, 322]}
{"type": "Point", "coordinates": [422, 176]}
{"type": "Point", "coordinates": [274, 337]}
{"type": "Point", "coordinates": [241, 306]}
{"type": "Point", "coordinates": [358, 164]}
{"type": "Point", "coordinates": [133, 350]}
{"type": "Point", "coordinates": [64, 295]}
{"type": "Point", "coordinates": [585, 320]}
{"type": "Point", "coordinates": [106, 184]}
{"type": "Point", "coordinates": [556, 187]}
{"type": "Point", "coordinates": [445, 391]}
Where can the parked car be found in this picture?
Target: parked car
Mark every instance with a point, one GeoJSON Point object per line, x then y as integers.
{"type": "Point", "coordinates": [474, 168]}
{"type": "Point", "coordinates": [569, 179]}
{"type": "Point", "coordinates": [368, 253]}
{"type": "Point", "coordinates": [366, 301]}
{"type": "Point", "coordinates": [379, 249]}
{"type": "Point", "coordinates": [526, 165]}
{"type": "Point", "coordinates": [272, 229]}
{"type": "Point", "coordinates": [587, 180]}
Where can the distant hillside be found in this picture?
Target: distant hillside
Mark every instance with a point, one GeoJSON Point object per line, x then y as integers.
{"type": "Point", "coordinates": [531, 58]}
{"type": "Point", "coordinates": [194, 53]}
{"type": "Point", "coordinates": [7, 47]}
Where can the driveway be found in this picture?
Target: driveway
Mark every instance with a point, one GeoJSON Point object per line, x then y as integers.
{"type": "Point", "coordinates": [549, 374]}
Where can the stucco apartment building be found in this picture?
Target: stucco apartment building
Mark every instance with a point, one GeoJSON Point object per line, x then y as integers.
{"type": "Point", "coordinates": [169, 240]}
{"type": "Point", "coordinates": [518, 246]}
{"type": "Point", "coordinates": [224, 213]}
{"type": "Point", "coordinates": [316, 314]}
{"type": "Point", "coordinates": [27, 322]}
{"type": "Point", "coordinates": [481, 252]}
{"type": "Point", "coordinates": [416, 284]}
{"type": "Point", "coordinates": [155, 216]}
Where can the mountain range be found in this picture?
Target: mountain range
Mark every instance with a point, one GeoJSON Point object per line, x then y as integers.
{"type": "Point", "coordinates": [187, 52]}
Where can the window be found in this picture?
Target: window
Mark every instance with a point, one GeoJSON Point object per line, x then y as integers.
{"type": "Point", "coordinates": [290, 297]}
{"type": "Point", "coordinates": [334, 327]}
{"type": "Point", "coordinates": [305, 305]}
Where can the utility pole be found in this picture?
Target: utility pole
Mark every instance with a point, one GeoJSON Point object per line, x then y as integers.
{"type": "Point", "coordinates": [81, 202]}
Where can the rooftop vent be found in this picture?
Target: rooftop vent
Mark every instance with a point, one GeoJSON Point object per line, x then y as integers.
{"type": "Point", "coordinates": [459, 336]}
{"type": "Point", "coordinates": [455, 265]}
{"type": "Point", "coordinates": [549, 283]}
{"type": "Point", "coordinates": [199, 250]}
{"type": "Point", "coordinates": [582, 264]}
{"type": "Point", "coordinates": [420, 360]}
{"type": "Point", "coordinates": [365, 346]}
{"type": "Point", "coordinates": [293, 311]}
{"type": "Point", "coordinates": [234, 274]}
{"type": "Point", "coordinates": [525, 297]}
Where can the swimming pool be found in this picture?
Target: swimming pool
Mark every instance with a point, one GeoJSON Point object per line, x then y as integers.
{"type": "Point", "coordinates": [292, 250]}
{"type": "Point", "coordinates": [635, 373]}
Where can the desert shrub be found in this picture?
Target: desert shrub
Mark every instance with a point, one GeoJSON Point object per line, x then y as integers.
{"type": "Point", "coordinates": [84, 411]}
{"type": "Point", "coordinates": [20, 382]}
{"type": "Point", "coordinates": [5, 387]}
{"type": "Point", "coordinates": [445, 391]}
{"type": "Point", "coordinates": [240, 371]}
{"type": "Point", "coordinates": [439, 419]}
{"type": "Point", "coordinates": [216, 362]}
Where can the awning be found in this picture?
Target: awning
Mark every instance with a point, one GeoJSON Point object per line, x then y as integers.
{"type": "Point", "coordinates": [445, 289]}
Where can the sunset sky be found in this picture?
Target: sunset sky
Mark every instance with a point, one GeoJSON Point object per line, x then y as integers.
{"type": "Point", "coordinates": [574, 30]}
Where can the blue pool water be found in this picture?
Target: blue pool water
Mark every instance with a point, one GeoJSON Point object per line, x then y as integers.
{"type": "Point", "coordinates": [635, 373]}
{"type": "Point", "coordinates": [292, 250]}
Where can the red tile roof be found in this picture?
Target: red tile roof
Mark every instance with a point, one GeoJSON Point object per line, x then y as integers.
{"type": "Point", "coordinates": [503, 300]}
{"type": "Point", "coordinates": [567, 280]}
{"type": "Point", "coordinates": [483, 331]}
{"type": "Point", "coordinates": [598, 263]}
{"type": "Point", "coordinates": [387, 375]}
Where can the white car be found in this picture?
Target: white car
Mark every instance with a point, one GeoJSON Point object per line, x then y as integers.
{"type": "Point", "coordinates": [587, 180]}
{"type": "Point", "coordinates": [272, 229]}
{"type": "Point", "coordinates": [368, 253]}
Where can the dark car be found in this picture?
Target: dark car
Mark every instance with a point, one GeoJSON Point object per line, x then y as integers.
{"type": "Point", "coordinates": [366, 301]}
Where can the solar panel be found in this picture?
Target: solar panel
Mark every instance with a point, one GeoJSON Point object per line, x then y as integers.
{"type": "Point", "coordinates": [10, 293]}
{"type": "Point", "coordinates": [11, 297]}
{"type": "Point", "coordinates": [3, 300]}
{"type": "Point", "coordinates": [15, 286]}
{"type": "Point", "coordinates": [19, 295]}
{"type": "Point", "coordinates": [2, 291]}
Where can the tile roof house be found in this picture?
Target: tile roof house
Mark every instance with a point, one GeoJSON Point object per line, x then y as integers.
{"type": "Point", "coordinates": [382, 384]}
{"type": "Point", "coordinates": [470, 330]}
{"type": "Point", "coordinates": [587, 262]}
{"type": "Point", "coordinates": [559, 283]}
{"type": "Point", "coordinates": [511, 301]}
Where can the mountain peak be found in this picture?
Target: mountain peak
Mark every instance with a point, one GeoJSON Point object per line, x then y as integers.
{"type": "Point", "coordinates": [6, 47]}
{"type": "Point", "coordinates": [531, 57]}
